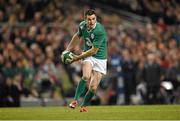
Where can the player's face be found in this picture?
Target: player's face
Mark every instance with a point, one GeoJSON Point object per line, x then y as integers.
{"type": "Point", "coordinates": [91, 20]}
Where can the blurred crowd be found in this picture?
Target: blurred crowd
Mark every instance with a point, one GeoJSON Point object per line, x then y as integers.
{"type": "Point", "coordinates": [33, 33]}
{"type": "Point", "coordinates": [169, 10]}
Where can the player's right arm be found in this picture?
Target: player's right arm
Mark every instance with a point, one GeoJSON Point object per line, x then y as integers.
{"type": "Point", "coordinates": [75, 40]}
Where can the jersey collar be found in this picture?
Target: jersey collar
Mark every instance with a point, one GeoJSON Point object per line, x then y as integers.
{"type": "Point", "coordinates": [92, 28]}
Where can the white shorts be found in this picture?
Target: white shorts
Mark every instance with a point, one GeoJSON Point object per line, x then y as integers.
{"type": "Point", "coordinates": [99, 65]}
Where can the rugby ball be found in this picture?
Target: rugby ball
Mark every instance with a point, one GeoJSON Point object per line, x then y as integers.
{"type": "Point", "coordinates": [67, 57]}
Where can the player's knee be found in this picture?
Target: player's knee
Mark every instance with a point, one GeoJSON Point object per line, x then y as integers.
{"type": "Point", "coordinates": [85, 78]}
{"type": "Point", "coordinates": [92, 88]}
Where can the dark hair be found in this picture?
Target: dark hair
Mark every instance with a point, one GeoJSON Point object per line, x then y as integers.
{"type": "Point", "coordinates": [89, 12]}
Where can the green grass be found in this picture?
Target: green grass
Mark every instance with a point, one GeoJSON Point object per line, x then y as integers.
{"type": "Point", "coordinates": [159, 112]}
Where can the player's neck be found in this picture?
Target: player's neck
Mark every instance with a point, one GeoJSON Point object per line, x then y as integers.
{"type": "Point", "coordinates": [91, 28]}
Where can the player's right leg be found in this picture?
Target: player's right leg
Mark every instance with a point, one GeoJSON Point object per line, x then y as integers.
{"type": "Point", "coordinates": [87, 69]}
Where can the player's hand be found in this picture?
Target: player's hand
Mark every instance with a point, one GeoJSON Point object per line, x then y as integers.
{"type": "Point", "coordinates": [75, 58]}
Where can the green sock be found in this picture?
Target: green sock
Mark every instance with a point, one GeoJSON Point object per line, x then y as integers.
{"type": "Point", "coordinates": [80, 88]}
{"type": "Point", "coordinates": [87, 98]}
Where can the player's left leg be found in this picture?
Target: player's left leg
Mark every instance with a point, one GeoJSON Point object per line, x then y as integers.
{"type": "Point", "coordinates": [86, 70]}
{"type": "Point", "coordinates": [95, 80]}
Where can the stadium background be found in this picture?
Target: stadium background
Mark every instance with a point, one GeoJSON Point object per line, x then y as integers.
{"type": "Point", "coordinates": [143, 49]}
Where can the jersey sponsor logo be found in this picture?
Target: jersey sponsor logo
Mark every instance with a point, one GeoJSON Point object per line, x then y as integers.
{"type": "Point", "coordinates": [88, 42]}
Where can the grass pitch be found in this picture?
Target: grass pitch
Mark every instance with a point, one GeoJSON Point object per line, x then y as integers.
{"type": "Point", "coordinates": [150, 112]}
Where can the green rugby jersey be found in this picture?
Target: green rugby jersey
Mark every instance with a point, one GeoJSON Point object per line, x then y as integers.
{"type": "Point", "coordinates": [96, 37]}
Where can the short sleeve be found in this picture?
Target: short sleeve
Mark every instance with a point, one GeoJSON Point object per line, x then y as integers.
{"type": "Point", "coordinates": [79, 33]}
{"type": "Point", "coordinates": [80, 29]}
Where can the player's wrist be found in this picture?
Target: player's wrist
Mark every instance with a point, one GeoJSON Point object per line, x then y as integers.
{"type": "Point", "coordinates": [67, 49]}
{"type": "Point", "coordinates": [76, 58]}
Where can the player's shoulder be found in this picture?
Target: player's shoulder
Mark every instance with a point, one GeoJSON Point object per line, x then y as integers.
{"type": "Point", "coordinates": [82, 24]}
{"type": "Point", "coordinates": [99, 24]}
{"type": "Point", "coordinates": [99, 28]}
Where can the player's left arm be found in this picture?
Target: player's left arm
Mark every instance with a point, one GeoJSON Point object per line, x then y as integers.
{"type": "Point", "coordinates": [86, 54]}
{"type": "Point", "coordinates": [74, 41]}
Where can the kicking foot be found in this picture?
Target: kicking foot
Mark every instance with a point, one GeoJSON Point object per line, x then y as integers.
{"type": "Point", "coordinates": [73, 104]}
{"type": "Point", "coordinates": [83, 109]}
